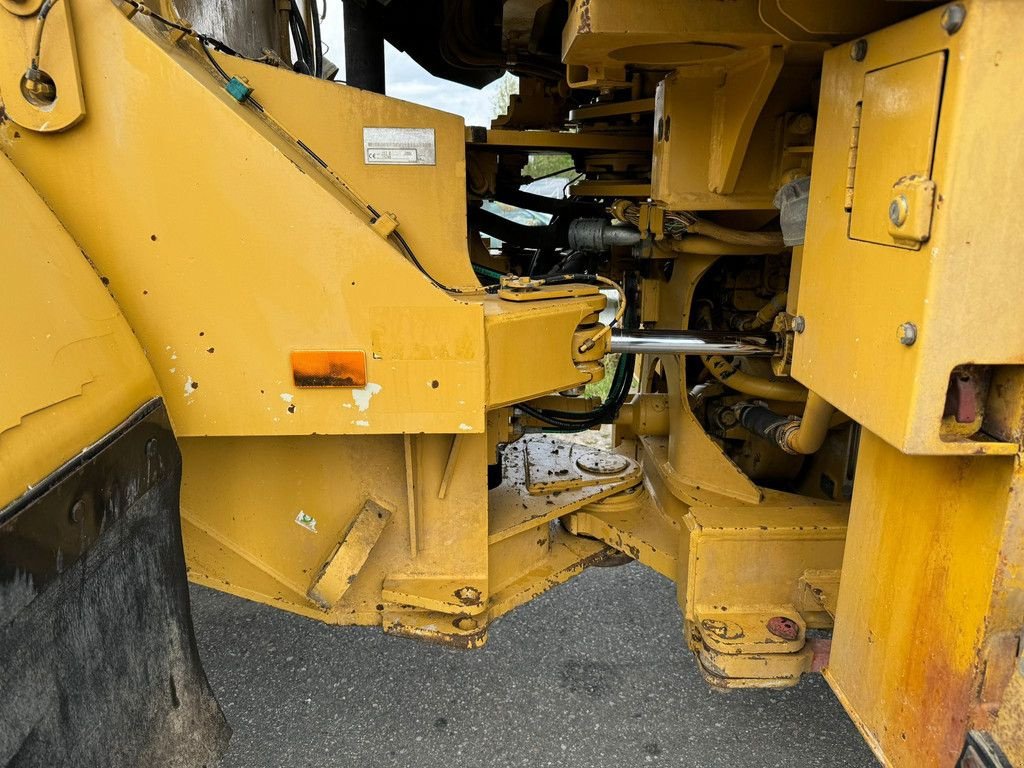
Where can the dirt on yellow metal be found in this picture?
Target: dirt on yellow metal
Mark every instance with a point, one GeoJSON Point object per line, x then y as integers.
{"type": "Point", "coordinates": [358, 412]}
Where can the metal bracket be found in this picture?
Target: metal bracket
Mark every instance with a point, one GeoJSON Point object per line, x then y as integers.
{"type": "Point", "coordinates": [58, 60]}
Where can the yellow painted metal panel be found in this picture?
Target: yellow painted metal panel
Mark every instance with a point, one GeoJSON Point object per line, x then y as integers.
{"type": "Point", "coordinates": [913, 614]}
{"type": "Point", "coordinates": [900, 111]}
{"type": "Point", "coordinates": [72, 368]}
{"type": "Point", "coordinates": [962, 289]}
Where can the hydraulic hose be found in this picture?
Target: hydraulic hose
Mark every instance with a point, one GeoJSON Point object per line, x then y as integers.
{"type": "Point", "coordinates": [802, 436]}
{"type": "Point", "coordinates": [755, 386]}
{"type": "Point", "coordinates": [736, 236]}
{"type": "Point", "coordinates": [553, 205]}
{"type": "Point", "coordinates": [520, 234]}
{"type": "Point", "coordinates": [766, 314]}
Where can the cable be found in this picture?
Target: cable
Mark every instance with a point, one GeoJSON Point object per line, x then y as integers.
{"type": "Point", "coordinates": [553, 173]}
{"type": "Point", "coordinates": [374, 215]}
{"type": "Point", "coordinates": [318, 44]}
{"type": "Point", "coordinates": [37, 37]}
{"type": "Point", "coordinates": [213, 61]}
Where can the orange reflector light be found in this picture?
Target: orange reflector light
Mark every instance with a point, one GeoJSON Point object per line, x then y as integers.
{"type": "Point", "coordinates": [329, 369]}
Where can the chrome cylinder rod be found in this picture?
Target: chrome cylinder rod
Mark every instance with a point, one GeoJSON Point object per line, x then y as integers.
{"type": "Point", "coordinates": [694, 343]}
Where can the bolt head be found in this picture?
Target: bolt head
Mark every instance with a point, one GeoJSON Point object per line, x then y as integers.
{"type": "Point", "coordinates": [907, 334]}
{"type": "Point", "coordinates": [899, 209]}
{"type": "Point", "coordinates": [953, 18]}
{"type": "Point", "coordinates": [859, 50]}
{"type": "Point", "coordinates": [799, 324]}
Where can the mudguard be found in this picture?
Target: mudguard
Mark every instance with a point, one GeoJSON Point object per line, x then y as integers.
{"type": "Point", "coordinates": [98, 661]}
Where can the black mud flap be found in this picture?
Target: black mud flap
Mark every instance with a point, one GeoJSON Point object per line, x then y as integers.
{"type": "Point", "coordinates": [98, 660]}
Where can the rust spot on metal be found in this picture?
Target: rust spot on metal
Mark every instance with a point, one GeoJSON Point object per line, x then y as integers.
{"type": "Point", "coordinates": [468, 595]}
{"type": "Point", "coordinates": [783, 627]}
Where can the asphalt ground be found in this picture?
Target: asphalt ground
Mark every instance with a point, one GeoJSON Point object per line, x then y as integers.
{"type": "Point", "coordinates": [594, 673]}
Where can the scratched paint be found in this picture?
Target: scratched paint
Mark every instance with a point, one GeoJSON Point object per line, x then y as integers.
{"type": "Point", "coordinates": [362, 396]}
{"type": "Point", "coordinates": [306, 521]}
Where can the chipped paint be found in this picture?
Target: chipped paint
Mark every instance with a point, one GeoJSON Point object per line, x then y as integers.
{"type": "Point", "coordinates": [189, 389]}
{"type": "Point", "coordinates": [465, 427]}
{"type": "Point", "coordinates": [362, 396]}
{"type": "Point", "coordinates": [346, 405]}
{"type": "Point", "coordinates": [287, 397]}
{"type": "Point", "coordinates": [361, 423]}
{"type": "Point", "coordinates": [306, 521]}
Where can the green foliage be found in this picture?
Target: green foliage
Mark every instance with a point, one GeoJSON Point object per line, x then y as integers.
{"type": "Point", "coordinates": [600, 388]}
{"type": "Point", "coordinates": [544, 165]}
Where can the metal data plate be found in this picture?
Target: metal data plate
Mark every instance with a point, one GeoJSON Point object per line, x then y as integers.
{"type": "Point", "coordinates": [399, 146]}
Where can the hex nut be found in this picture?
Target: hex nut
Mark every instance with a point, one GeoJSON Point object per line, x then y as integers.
{"type": "Point", "coordinates": [907, 334]}
{"type": "Point", "coordinates": [799, 324]}
{"type": "Point", "coordinates": [859, 50]}
{"type": "Point", "coordinates": [899, 209]}
{"type": "Point", "coordinates": [953, 18]}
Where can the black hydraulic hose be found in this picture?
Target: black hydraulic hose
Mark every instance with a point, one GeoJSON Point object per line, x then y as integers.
{"type": "Point", "coordinates": [303, 50]}
{"type": "Point", "coordinates": [550, 236]}
{"type": "Point", "coordinates": [552, 205]}
{"type": "Point", "coordinates": [318, 44]}
{"type": "Point", "coordinates": [762, 421]}
{"type": "Point", "coordinates": [622, 381]}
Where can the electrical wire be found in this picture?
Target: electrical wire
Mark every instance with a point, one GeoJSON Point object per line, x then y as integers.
{"type": "Point", "coordinates": [37, 36]}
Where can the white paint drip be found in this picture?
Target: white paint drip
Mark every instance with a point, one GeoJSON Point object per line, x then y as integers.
{"type": "Point", "coordinates": [306, 521]}
{"type": "Point", "coordinates": [362, 396]}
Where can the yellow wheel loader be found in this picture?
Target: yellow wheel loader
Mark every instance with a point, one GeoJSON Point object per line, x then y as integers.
{"type": "Point", "coordinates": [282, 336]}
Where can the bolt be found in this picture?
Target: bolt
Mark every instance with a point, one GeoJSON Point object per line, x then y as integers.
{"type": "Point", "coordinates": [899, 208]}
{"type": "Point", "coordinates": [859, 50]}
{"type": "Point", "coordinates": [953, 18]}
{"type": "Point", "coordinates": [799, 324]}
{"type": "Point", "coordinates": [907, 334]}
{"type": "Point", "coordinates": [151, 447]}
{"type": "Point", "coordinates": [78, 511]}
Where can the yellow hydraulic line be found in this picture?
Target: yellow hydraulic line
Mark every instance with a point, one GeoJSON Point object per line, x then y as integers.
{"type": "Point", "coordinates": [766, 314]}
{"type": "Point", "coordinates": [807, 435]}
{"type": "Point", "coordinates": [755, 386]}
{"type": "Point", "coordinates": [702, 245]}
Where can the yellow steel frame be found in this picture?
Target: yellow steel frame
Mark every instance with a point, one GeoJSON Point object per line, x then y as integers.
{"type": "Point", "coordinates": [232, 235]}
